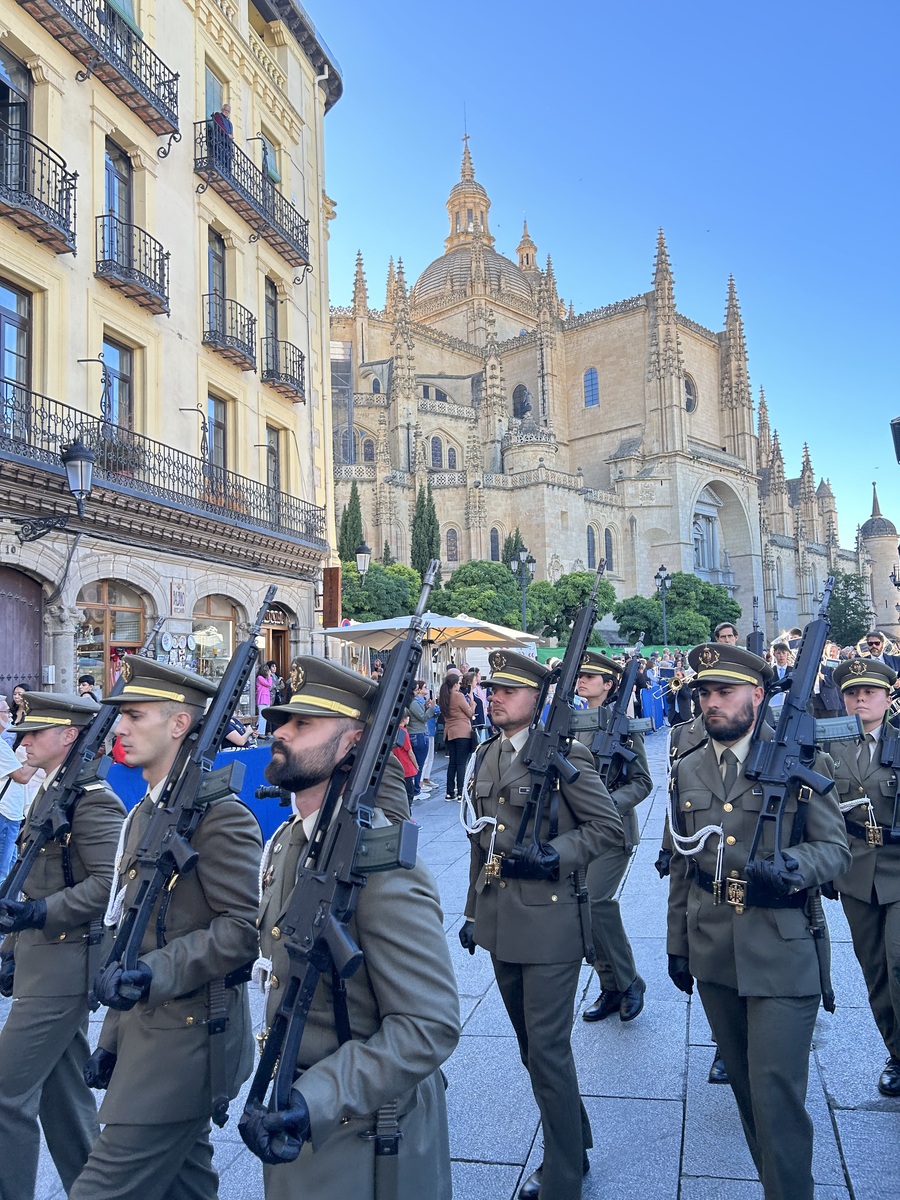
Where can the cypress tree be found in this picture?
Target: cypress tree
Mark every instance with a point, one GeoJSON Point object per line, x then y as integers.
{"type": "Point", "coordinates": [351, 531]}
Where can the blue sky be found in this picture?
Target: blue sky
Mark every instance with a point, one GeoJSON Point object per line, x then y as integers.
{"type": "Point", "coordinates": [761, 137]}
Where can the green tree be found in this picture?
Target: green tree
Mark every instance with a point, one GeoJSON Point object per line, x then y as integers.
{"type": "Point", "coordinates": [387, 559]}
{"type": "Point", "coordinates": [486, 591]}
{"type": "Point", "coordinates": [387, 592]}
{"type": "Point", "coordinates": [849, 609]}
{"type": "Point", "coordinates": [351, 529]}
{"type": "Point", "coordinates": [694, 607]}
{"type": "Point", "coordinates": [425, 541]}
{"type": "Point", "coordinates": [571, 593]}
{"type": "Point", "coordinates": [432, 531]}
{"type": "Point", "coordinates": [512, 544]}
{"type": "Point", "coordinates": [637, 614]}
{"type": "Point", "coordinates": [542, 605]}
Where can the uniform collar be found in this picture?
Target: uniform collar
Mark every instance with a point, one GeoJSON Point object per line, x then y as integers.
{"type": "Point", "coordinates": [740, 749]}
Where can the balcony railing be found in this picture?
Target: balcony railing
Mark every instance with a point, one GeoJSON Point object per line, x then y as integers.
{"type": "Point", "coordinates": [283, 369]}
{"type": "Point", "coordinates": [35, 428]}
{"type": "Point", "coordinates": [110, 49]}
{"type": "Point", "coordinates": [132, 261]}
{"type": "Point", "coordinates": [224, 166]}
{"type": "Point", "coordinates": [37, 191]}
{"type": "Point", "coordinates": [230, 329]}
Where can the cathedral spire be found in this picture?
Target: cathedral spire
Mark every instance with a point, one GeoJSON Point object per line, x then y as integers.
{"type": "Point", "coordinates": [778, 485]}
{"type": "Point", "coordinates": [663, 282]}
{"type": "Point", "coordinates": [526, 250]}
{"type": "Point", "coordinates": [764, 432]}
{"type": "Point", "coordinates": [467, 172]}
{"type": "Point", "coordinates": [807, 478]}
{"type": "Point", "coordinates": [360, 290]}
{"type": "Point", "coordinates": [550, 276]}
{"type": "Point", "coordinates": [401, 299]}
{"type": "Point", "coordinates": [390, 288]}
{"type": "Point", "coordinates": [876, 507]}
{"type": "Point", "coordinates": [468, 205]}
{"type": "Point", "coordinates": [735, 381]}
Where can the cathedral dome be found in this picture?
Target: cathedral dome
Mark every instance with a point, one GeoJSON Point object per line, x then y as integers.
{"type": "Point", "coordinates": [877, 525]}
{"type": "Point", "coordinates": [500, 274]}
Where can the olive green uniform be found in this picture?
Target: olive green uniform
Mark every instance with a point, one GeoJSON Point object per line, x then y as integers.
{"type": "Point", "coordinates": [43, 1045]}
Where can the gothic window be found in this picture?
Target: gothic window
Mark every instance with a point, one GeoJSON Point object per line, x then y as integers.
{"type": "Point", "coordinates": [521, 401]}
{"type": "Point", "coordinates": [591, 549]}
{"type": "Point", "coordinates": [437, 452]}
{"type": "Point", "coordinates": [452, 546]}
{"type": "Point", "coordinates": [376, 386]}
{"type": "Point", "coordinates": [591, 388]}
{"type": "Point", "coordinates": [439, 395]}
{"type": "Point", "coordinates": [368, 451]}
{"type": "Point", "coordinates": [349, 438]}
{"type": "Point", "coordinates": [608, 550]}
{"type": "Point", "coordinates": [700, 550]}
{"type": "Point", "coordinates": [690, 394]}
{"type": "Point", "coordinates": [426, 392]}
{"type": "Point", "coordinates": [779, 577]}
{"type": "Point", "coordinates": [495, 545]}
{"type": "Point", "coordinates": [451, 458]}
{"type": "Point", "coordinates": [477, 389]}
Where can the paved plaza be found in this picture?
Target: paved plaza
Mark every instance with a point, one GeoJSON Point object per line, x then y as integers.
{"type": "Point", "coordinates": [661, 1132]}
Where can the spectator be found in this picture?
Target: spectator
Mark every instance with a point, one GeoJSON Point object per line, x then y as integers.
{"type": "Point", "coordinates": [14, 780]}
{"type": "Point", "coordinates": [222, 137]}
{"type": "Point", "coordinates": [16, 710]}
{"type": "Point", "coordinates": [457, 711]}
{"type": "Point", "coordinates": [238, 734]}
{"type": "Point", "coordinates": [420, 709]}
{"type": "Point", "coordinates": [86, 685]}
{"type": "Point", "coordinates": [263, 695]}
{"type": "Point", "coordinates": [277, 682]}
{"type": "Point", "coordinates": [403, 752]}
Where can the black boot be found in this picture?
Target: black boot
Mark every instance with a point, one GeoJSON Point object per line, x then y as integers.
{"type": "Point", "coordinates": [717, 1072]}
{"type": "Point", "coordinates": [604, 1006]}
{"type": "Point", "coordinates": [632, 1000]}
{"type": "Point", "coordinates": [531, 1188]}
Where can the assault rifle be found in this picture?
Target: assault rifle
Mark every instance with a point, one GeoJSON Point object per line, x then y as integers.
{"type": "Point", "coordinates": [610, 746]}
{"type": "Point", "coordinates": [343, 850]}
{"type": "Point", "coordinates": [191, 785]}
{"type": "Point", "coordinates": [51, 817]}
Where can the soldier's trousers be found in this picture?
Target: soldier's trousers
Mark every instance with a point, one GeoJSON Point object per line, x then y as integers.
{"type": "Point", "coordinates": [43, 1047]}
{"type": "Point", "coordinates": [875, 929]}
{"type": "Point", "coordinates": [150, 1162]}
{"type": "Point", "coordinates": [540, 1000]}
{"type": "Point", "coordinates": [765, 1042]}
{"type": "Point", "coordinates": [614, 960]}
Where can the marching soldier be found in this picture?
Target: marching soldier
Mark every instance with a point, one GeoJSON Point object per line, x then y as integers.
{"type": "Point", "coordinates": [526, 912]}
{"type": "Point", "coordinates": [739, 928]}
{"type": "Point", "coordinates": [159, 1057]}
{"type": "Point", "coordinates": [401, 1006]}
{"type": "Point", "coordinates": [622, 989]}
{"type": "Point", "coordinates": [870, 889]}
{"type": "Point", "coordinates": [46, 963]}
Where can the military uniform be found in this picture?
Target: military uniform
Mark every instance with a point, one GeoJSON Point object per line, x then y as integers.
{"type": "Point", "coordinates": [632, 783]}
{"type": "Point", "coordinates": [402, 1003]}
{"type": "Point", "coordinates": [43, 1044]}
{"type": "Point", "coordinates": [158, 1103]}
{"type": "Point", "coordinates": [870, 889]}
{"type": "Point", "coordinates": [752, 954]}
{"type": "Point", "coordinates": [533, 929]}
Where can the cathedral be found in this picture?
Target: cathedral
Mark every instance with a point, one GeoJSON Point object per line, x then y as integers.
{"type": "Point", "coordinates": [627, 432]}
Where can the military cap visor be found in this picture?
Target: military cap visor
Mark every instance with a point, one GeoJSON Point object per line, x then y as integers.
{"type": "Point", "coordinates": [45, 710]}
{"type": "Point", "coordinates": [599, 664]}
{"type": "Point", "coordinates": [147, 682]}
{"type": "Point", "coordinates": [718, 662]}
{"type": "Point", "coordinates": [324, 689]}
{"type": "Point", "coordinates": [509, 669]}
{"type": "Point", "coordinates": [864, 672]}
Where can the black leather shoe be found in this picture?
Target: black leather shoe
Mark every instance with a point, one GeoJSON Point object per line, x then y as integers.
{"type": "Point", "coordinates": [889, 1080]}
{"type": "Point", "coordinates": [531, 1188]}
{"type": "Point", "coordinates": [604, 1006]}
{"type": "Point", "coordinates": [632, 999]}
{"type": "Point", "coordinates": [717, 1072]}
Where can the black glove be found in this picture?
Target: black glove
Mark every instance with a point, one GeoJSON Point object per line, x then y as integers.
{"type": "Point", "coordinates": [7, 973]}
{"type": "Point", "coordinates": [778, 883]}
{"type": "Point", "coordinates": [22, 914]}
{"type": "Point", "coordinates": [120, 989]}
{"type": "Point", "coordinates": [98, 1069]}
{"type": "Point", "coordinates": [276, 1137]}
{"type": "Point", "coordinates": [537, 862]}
{"type": "Point", "coordinates": [680, 974]}
{"type": "Point", "coordinates": [467, 936]}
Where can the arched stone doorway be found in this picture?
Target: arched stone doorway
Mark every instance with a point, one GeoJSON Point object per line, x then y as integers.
{"type": "Point", "coordinates": [21, 630]}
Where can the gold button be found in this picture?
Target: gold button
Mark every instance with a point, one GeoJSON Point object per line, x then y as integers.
{"type": "Point", "coordinates": [62, 937]}
{"type": "Point", "coordinates": [553, 898]}
{"type": "Point", "coordinates": [503, 883]}
{"type": "Point", "coordinates": [274, 982]}
{"type": "Point", "coordinates": [276, 932]}
{"type": "Point", "coordinates": [687, 804]}
{"type": "Point", "coordinates": [42, 850]}
{"type": "Point", "coordinates": [501, 801]}
{"type": "Point", "coordinates": [728, 807]}
{"type": "Point", "coordinates": [189, 1021]}
{"type": "Point", "coordinates": [258, 922]}
{"type": "Point", "coordinates": [730, 841]}
{"type": "Point", "coordinates": [500, 828]}
{"type": "Point", "coordinates": [734, 875]}
{"type": "Point", "coordinates": [345, 1120]}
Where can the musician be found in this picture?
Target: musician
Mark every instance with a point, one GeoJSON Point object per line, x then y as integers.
{"type": "Point", "coordinates": [621, 988]}
{"type": "Point", "coordinates": [525, 911]}
{"type": "Point", "coordinates": [740, 928]}
{"type": "Point", "coordinates": [156, 1056]}
{"type": "Point", "coordinates": [678, 700]}
{"type": "Point", "coordinates": [826, 699]}
{"type": "Point", "coordinates": [45, 962]}
{"type": "Point", "coordinates": [870, 889]}
{"type": "Point", "coordinates": [402, 1004]}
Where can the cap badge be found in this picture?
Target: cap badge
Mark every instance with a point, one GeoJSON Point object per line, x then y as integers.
{"type": "Point", "coordinates": [127, 670]}
{"type": "Point", "coordinates": [26, 709]}
{"type": "Point", "coordinates": [300, 675]}
{"type": "Point", "coordinates": [498, 661]}
{"type": "Point", "coordinates": [857, 667]}
{"type": "Point", "coordinates": [708, 657]}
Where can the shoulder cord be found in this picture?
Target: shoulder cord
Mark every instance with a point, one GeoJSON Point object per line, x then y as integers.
{"type": "Point", "coordinates": [468, 818]}
{"type": "Point", "coordinates": [116, 902]}
{"type": "Point", "coordinates": [690, 845]}
{"type": "Point", "coordinates": [261, 974]}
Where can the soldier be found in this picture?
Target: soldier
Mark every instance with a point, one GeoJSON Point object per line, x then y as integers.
{"type": "Point", "coordinates": [525, 912]}
{"type": "Point", "coordinates": [47, 964]}
{"type": "Point", "coordinates": [402, 1004]}
{"type": "Point", "coordinates": [158, 1058]}
{"type": "Point", "coordinates": [870, 889]}
{"type": "Point", "coordinates": [739, 927]}
{"type": "Point", "coordinates": [622, 989]}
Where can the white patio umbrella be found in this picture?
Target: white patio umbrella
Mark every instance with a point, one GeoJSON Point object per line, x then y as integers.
{"type": "Point", "coordinates": [458, 631]}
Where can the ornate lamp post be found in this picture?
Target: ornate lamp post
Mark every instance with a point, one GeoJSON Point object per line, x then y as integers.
{"type": "Point", "coordinates": [663, 583]}
{"type": "Point", "coordinates": [523, 568]}
{"type": "Point", "coordinates": [363, 558]}
{"type": "Point", "coordinates": [78, 459]}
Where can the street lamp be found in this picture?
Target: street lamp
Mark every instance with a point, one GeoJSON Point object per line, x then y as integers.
{"type": "Point", "coordinates": [78, 459]}
{"type": "Point", "coordinates": [363, 558]}
{"type": "Point", "coordinates": [523, 568]}
{"type": "Point", "coordinates": [663, 583]}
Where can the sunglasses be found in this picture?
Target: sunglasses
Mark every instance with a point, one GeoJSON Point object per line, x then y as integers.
{"type": "Point", "coordinates": [871, 644]}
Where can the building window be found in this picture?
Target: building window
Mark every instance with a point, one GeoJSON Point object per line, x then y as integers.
{"type": "Point", "coordinates": [271, 308]}
{"type": "Point", "coordinates": [118, 392]}
{"type": "Point", "coordinates": [368, 451]}
{"type": "Point", "coordinates": [270, 159]}
{"type": "Point", "coordinates": [591, 549]}
{"type": "Point", "coordinates": [112, 625]}
{"type": "Point", "coordinates": [437, 452]}
{"type": "Point", "coordinates": [376, 386]}
{"type": "Point", "coordinates": [591, 388]}
{"type": "Point", "coordinates": [15, 359]}
{"type": "Point", "coordinates": [690, 394]}
{"type": "Point", "coordinates": [214, 620]}
{"type": "Point", "coordinates": [521, 401]}
{"type": "Point", "coordinates": [273, 458]}
{"type": "Point", "coordinates": [439, 395]}
{"type": "Point", "coordinates": [218, 432]}
{"type": "Point", "coordinates": [426, 392]}
{"type": "Point", "coordinates": [608, 550]}
{"type": "Point", "coordinates": [452, 546]}
{"type": "Point", "coordinates": [495, 545]}
{"type": "Point", "coordinates": [215, 270]}
{"type": "Point", "coordinates": [477, 389]}
{"type": "Point", "coordinates": [215, 92]}
{"type": "Point", "coordinates": [451, 458]}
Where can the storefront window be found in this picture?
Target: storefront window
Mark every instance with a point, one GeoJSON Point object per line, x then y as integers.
{"type": "Point", "coordinates": [213, 632]}
{"type": "Point", "coordinates": [112, 625]}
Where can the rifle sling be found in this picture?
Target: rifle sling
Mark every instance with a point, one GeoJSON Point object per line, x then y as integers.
{"type": "Point", "coordinates": [217, 1023]}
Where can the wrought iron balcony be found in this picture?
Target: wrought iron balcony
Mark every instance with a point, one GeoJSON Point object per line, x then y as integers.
{"type": "Point", "coordinates": [230, 329]}
{"type": "Point", "coordinates": [37, 191]}
{"type": "Point", "coordinates": [133, 262]}
{"type": "Point", "coordinates": [110, 49]}
{"type": "Point", "coordinates": [283, 368]}
{"type": "Point", "coordinates": [225, 167]}
{"type": "Point", "coordinates": [35, 428]}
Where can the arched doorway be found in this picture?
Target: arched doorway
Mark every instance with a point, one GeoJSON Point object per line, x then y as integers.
{"type": "Point", "coordinates": [21, 630]}
{"type": "Point", "coordinates": [214, 621]}
{"type": "Point", "coordinates": [112, 625]}
{"type": "Point", "coordinates": [276, 630]}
